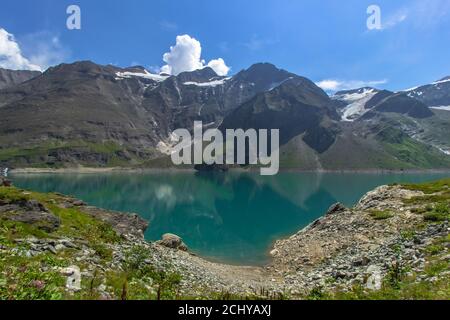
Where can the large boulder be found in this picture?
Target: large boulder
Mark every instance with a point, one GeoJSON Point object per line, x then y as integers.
{"type": "Point", "coordinates": [172, 241]}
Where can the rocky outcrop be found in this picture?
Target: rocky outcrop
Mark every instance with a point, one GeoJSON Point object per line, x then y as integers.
{"type": "Point", "coordinates": [352, 246]}
{"type": "Point", "coordinates": [122, 223]}
{"type": "Point", "coordinates": [29, 212]}
{"type": "Point", "coordinates": [336, 208]}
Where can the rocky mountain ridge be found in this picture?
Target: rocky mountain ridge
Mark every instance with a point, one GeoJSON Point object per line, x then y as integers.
{"type": "Point", "coordinates": [10, 78]}
{"type": "Point", "coordinates": [88, 115]}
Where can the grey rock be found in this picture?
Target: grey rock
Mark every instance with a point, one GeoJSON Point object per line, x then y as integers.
{"type": "Point", "coordinates": [336, 208]}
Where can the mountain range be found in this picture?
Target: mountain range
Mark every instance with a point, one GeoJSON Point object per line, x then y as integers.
{"type": "Point", "coordinates": [85, 114]}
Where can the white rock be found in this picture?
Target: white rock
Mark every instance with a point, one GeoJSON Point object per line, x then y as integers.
{"type": "Point", "coordinates": [374, 281]}
{"type": "Point", "coordinates": [73, 274]}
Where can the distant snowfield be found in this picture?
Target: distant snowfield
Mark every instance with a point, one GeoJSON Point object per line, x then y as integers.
{"type": "Point", "coordinates": [445, 108]}
{"type": "Point", "coordinates": [447, 152]}
{"type": "Point", "coordinates": [145, 74]}
{"type": "Point", "coordinates": [213, 83]}
{"type": "Point", "coordinates": [441, 81]}
{"type": "Point", "coordinates": [357, 101]}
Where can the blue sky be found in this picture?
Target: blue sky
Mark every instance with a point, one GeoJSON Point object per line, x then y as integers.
{"type": "Point", "coordinates": [322, 40]}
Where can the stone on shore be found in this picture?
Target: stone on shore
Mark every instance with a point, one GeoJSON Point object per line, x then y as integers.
{"type": "Point", "coordinates": [173, 241]}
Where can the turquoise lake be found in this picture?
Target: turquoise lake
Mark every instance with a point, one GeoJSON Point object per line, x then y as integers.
{"type": "Point", "coordinates": [230, 217]}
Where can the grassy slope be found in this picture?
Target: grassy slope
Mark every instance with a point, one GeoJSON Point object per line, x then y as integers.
{"type": "Point", "coordinates": [110, 152]}
{"type": "Point", "coordinates": [38, 277]}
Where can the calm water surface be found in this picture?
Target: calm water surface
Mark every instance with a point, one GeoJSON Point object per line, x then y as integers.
{"type": "Point", "coordinates": [232, 217]}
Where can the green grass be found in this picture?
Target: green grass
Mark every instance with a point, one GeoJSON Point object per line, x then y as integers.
{"type": "Point", "coordinates": [11, 195]}
{"type": "Point", "coordinates": [410, 152]}
{"type": "Point", "coordinates": [435, 204]}
{"type": "Point", "coordinates": [430, 187]}
{"type": "Point", "coordinates": [381, 215]}
{"type": "Point", "coordinates": [36, 278]}
{"type": "Point", "coordinates": [32, 156]}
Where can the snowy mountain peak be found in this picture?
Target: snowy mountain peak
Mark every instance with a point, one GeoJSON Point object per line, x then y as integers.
{"type": "Point", "coordinates": [435, 94]}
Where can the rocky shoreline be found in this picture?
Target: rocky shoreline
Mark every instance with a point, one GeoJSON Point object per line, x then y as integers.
{"type": "Point", "coordinates": [93, 170]}
{"type": "Point", "coordinates": [384, 236]}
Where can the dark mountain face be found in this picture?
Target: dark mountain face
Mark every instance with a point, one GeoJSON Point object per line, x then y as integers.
{"type": "Point", "coordinates": [399, 103]}
{"type": "Point", "coordinates": [204, 96]}
{"type": "Point", "coordinates": [376, 99]}
{"type": "Point", "coordinates": [436, 94]}
{"type": "Point", "coordinates": [80, 112]}
{"type": "Point", "coordinates": [200, 76]}
{"type": "Point", "coordinates": [263, 76]}
{"type": "Point", "coordinates": [10, 78]}
{"type": "Point", "coordinates": [295, 107]}
{"type": "Point", "coordinates": [69, 113]}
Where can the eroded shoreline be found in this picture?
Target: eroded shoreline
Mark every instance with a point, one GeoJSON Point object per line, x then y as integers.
{"type": "Point", "coordinates": [88, 170]}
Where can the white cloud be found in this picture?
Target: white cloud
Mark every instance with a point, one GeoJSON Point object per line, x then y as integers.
{"type": "Point", "coordinates": [337, 85]}
{"type": "Point", "coordinates": [36, 51]}
{"type": "Point", "coordinates": [219, 66]}
{"type": "Point", "coordinates": [11, 56]}
{"type": "Point", "coordinates": [186, 56]}
{"type": "Point", "coordinates": [395, 19]}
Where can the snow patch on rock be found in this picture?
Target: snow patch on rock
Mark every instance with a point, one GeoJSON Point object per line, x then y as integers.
{"type": "Point", "coordinates": [211, 83]}
{"type": "Point", "coordinates": [444, 108]}
{"type": "Point", "coordinates": [356, 103]}
{"type": "Point", "coordinates": [145, 74]}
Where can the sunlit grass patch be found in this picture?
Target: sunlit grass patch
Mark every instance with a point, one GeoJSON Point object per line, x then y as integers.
{"type": "Point", "coordinates": [381, 214]}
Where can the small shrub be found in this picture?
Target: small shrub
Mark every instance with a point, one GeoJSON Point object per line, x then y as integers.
{"type": "Point", "coordinates": [435, 217]}
{"type": "Point", "coordinates": [435, 249]}
{"type": "Point", "coordinates": [102, 251]}
{"type": "Point", "coordinates": [395, 275]}
{"type": "Point", "coordinates": [317, 293]}
{"type": "Point", "coordinates": [407, 235]}
{"type": "Point", "coordinates": [436, 268]}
